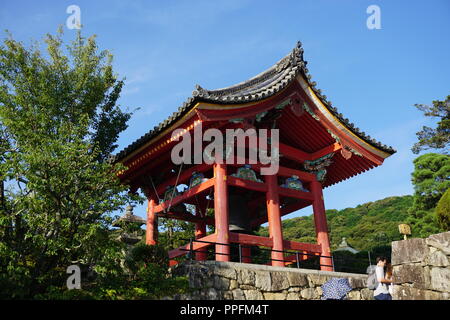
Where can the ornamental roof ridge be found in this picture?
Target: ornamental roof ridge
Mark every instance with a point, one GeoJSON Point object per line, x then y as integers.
{"type": "Point", "coordinates": [260, 86]}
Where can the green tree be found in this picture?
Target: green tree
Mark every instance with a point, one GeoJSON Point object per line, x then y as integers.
{"type": "Point", "coordinates": [439, 137]}
{"type": "Point", "coordinates": [443, 211]}
{"type": "Point", "coordinates": [59, 120]}
{"type": "Point", "coordinates": [431, 178]}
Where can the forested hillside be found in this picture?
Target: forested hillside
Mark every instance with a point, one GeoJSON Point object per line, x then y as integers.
{"type": "Point", "coordinates": [369, 225]}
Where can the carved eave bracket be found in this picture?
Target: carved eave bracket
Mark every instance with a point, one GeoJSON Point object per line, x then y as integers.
{"type": "Point", "coordinates": [318, 166]}
{"type": "Point", "coordinates": [346, 151]}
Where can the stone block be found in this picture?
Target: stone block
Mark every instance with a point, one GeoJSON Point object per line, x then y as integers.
{"type": "Point", "coordinates": [316, 280]}
{"type": "Point", "coordinates": [415, 274]}
{"type": "Point", "coordinates": [408, 251]}
{"type": "Point", "coordinates": [309, 294]}
{"type": "Point", "coordinates": [196, 280]}
{"type": "Point", "coordinates": [354, 295]}
{"type": "Point", "coordinates": [293, 296]}
{"type": "Point", "coordinates": [410, 293]}
{"type": "Point", "coordinates": [225, 271]}
{"type": "Point", "coordinates": [366, 294]}
{"type": "Point", "coordinates": [228, 295]}
{"type": "Point", "coordinates": [253, 295]}
{"type": "Point", "coordinates": [274, 296]}
{"type": "Point", "coordinates": [262, 280]}
{"type": "Point", "coordinates": [221, 283]}
{"type": "Point", "coordinates": [357, 283]}
{"type": "Point", "coordinates": [246, 287]}
{"type": "Point", "coordinates": [440, 241]}
{"type": "Point", "coordinates": [233, 284]}
{"type": "Point", "coordinates": [436, 258]}
{"type": "Point", "coordinates": [440, 279]}
{"type": "Point", "coordinates": [238, 294]}
{"type": "Point", "coordinates": [246, 276]}
{"type": "Point", "coordinates": [297, 279]}
{"type": "Point", "coordinates": [319, 291]}
{"type": "Point", "coordinates": [212, 294]}
{"type": "Point", "coordinates": [279, 281]}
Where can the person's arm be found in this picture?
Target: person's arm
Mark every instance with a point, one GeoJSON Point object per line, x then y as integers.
{"type": "Point", "coordinates": [384, 280]}
{"type": "Point", "coordinates": [380, 276]}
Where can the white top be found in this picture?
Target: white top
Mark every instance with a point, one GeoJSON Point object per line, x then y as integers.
{"type": "Point", "coordinates": [382, 287]}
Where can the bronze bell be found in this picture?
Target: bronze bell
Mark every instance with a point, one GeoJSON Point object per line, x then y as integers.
{"type": "Point", "coordinates": [239, 220]}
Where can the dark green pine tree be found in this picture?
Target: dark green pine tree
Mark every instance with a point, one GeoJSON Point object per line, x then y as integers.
{"type": "Point", "coordinates": [439, 137]}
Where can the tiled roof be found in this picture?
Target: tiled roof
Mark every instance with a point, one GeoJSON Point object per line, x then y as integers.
{"type": "Point", "coordinates": [262, 86]}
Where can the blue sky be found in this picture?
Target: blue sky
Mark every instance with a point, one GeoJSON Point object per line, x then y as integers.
{"type": "Point", "coordinates": [374, 77]}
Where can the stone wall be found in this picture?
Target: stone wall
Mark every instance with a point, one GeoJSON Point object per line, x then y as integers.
{"type": "Point", "coordinates": [212, 280]}
{"type": "Point", "coordinates": [422, 268]}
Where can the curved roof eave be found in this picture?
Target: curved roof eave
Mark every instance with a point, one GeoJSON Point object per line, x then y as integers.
{"type": "Point", "coordinates": [262, 86]}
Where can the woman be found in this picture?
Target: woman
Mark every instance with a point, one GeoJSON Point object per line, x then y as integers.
{"type": "Point", "coordinates": [381, 291]}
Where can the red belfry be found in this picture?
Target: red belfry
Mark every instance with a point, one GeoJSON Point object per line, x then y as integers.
{"type": "Point", "coordinates": [318, 147]}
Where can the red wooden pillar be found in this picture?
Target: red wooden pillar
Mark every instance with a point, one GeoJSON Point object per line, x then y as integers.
{"type": "Point", "coordinates": [320, 221]}
{"type": "Point", "coordinates": [151, 234]}
{"type": "Point", "coordinates": [273, 212]}
{"type": "Point", "coordinates": [200, 232]}
{"type": "Point", "coordinates": [221, 212]}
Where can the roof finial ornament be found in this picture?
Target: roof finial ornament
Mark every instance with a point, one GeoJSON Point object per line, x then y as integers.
{"type": "Point", "coordinates": [297, 53]}
{"type": "Point", "coordinates": [199, 91]}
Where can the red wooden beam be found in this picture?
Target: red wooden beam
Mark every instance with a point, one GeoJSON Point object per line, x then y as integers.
{"type": "Point", "coordinates": [195, 246]}
{"type": "Point", "coordinates": [294, 153]}
{"type": "Point", "coordinates": [247, 184]}
{"type": "Point", "coordinates": [299, 246]}
{"type": "Point", "coordinates": [249, 239]}
{"type": "Point", "coordinates": [323, 152]}
{"type": "Point", "coordinates": [185, 175]}
{"type": "Point", "coordinates": [187, 217]}
{"type": "Point", "coordinates": [292, 193]}
{"type": "Point", "coordinates": [189, 193]}
{"type": "Point", "coordinates": [293, 258]}
{"type": "Point", "coordinates": [282, 171]}
{"type": "Point", "coordinates": [302, 175]}
{"type": "Point", "coordinates": [252, 240]}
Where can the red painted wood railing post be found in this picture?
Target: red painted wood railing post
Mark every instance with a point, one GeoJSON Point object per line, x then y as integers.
{"type": "Point", "coordinates": [273, 212]}
{"type": "Point", "coordinates": [246, 254]}
{"type": "Point", "coordinates": [151, 233]}
{"type": "Point", "coordinates": [221, 212]}
{"type": "Point", "coordinates": [320, 221]}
